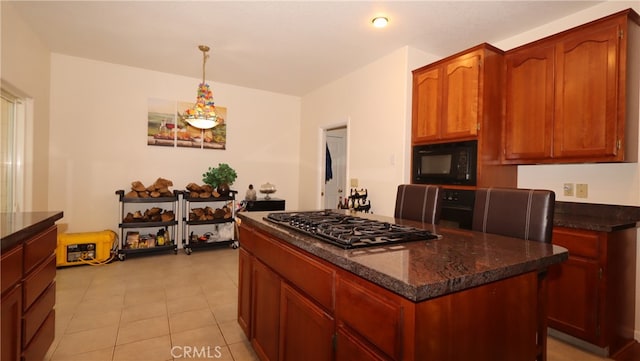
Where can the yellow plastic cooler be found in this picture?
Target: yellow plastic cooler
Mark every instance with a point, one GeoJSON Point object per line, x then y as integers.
{"type": "Point", "coordinates": [84, 248]}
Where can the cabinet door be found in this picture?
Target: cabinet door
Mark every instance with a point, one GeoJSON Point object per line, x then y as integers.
{"type": "Point", "coordinates": [427, 100]}
{"type": "Point", "coordinates": [305, 329]}
{"type": "Point", "coordinates": [350, 348]}
{"type": "Point", "coordinates": [11, 320]}
{"type": "Point", "coordinates": [529, 103]}
{"type": "Point", "coordinates": [460, 99]}
{"type": "Point", "coordinates": [573, 298]}
{"type": "Point", "coordinates": [244, 291]}
{"type": "Point", "coordinates": [265, 317]}
{"type": "Point", "coordinates": [586, 124]}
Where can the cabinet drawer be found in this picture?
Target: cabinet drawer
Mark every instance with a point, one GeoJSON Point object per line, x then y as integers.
{"type": "Point", "coordinates": [38, 281]}
{"type": "Point", "coordinates": [300, 270]}
{"type": "Point", "coordinates": [37, 314]}
{"type": "Point", "coordinates": [355, 306]}
{"type": "Point", "coordinates": [37, 349]}
{"type": "Point", "coordinates": [11, 268]}
{"type": "Point", "coordinates": [39, 248]}
{"type": "Point", "coordinates": [580, 243]}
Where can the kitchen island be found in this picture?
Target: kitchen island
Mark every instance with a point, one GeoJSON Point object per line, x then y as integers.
{"type": "Point", "coordinates": [465, 295]}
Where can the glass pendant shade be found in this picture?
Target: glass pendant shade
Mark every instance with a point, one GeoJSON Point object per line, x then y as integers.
{"type": "Point", "coordinates": [203, 113]}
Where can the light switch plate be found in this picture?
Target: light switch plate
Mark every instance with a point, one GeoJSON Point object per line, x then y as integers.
{"type": "Point", "coordinates": [354, 183]}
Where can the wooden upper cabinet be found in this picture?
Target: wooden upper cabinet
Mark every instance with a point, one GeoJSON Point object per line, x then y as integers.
{"type": "Point", "coordinates": [529, 103]}
{"type": "Point", "coordinates": [447, 97]}
{"type": "Point", "coordinates": [426, 104]}
{"type": "Point", "coordinates": [586, 119]}
{"type": "Point", "coordinates": [461, 91]}
{"type": "Point", "coordinates": [566, 95]}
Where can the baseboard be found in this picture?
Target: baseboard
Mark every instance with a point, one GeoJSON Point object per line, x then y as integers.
{"type": "Point", "coordinates": [589, 347]}
{"type": "Point", "coordinates": [629, 353]}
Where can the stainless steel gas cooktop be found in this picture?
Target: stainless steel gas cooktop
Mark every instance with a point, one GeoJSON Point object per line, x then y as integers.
{"type": "Point", "coordinates": [348, 231]}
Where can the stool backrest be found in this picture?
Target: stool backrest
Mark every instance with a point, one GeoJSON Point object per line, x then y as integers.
{"type": "Point", "coordinates": [419, 202]}
{"type": "Point", "coordinates": [520, 213]}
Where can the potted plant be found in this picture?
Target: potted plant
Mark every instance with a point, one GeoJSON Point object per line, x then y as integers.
{"type": "Point", "coordinates": [220, 178]}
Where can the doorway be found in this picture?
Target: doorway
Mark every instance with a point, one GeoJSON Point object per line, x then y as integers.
{"type": "Point", "coordinates": [12, 145]}
{"type": "Point", "coordinates": [335, 166]}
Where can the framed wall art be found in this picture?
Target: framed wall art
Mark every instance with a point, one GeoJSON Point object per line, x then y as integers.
{"type": "Point", "coordinates": [167, 127]}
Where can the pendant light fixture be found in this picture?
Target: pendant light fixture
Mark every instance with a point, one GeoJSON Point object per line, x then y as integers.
{"type": "Point", "coordinates": [203, 113]}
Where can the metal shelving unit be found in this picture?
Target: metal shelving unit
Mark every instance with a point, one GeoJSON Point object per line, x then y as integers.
{"type": "Point", "coordinates": [211, 232]}
{"type": "Point", "coordinates": [162, 240]}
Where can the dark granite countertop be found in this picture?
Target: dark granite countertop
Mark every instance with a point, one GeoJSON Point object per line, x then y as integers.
{"type": "Point", "coordinates": [420, 270]}
{"type": "Point", "coordinates": [16, 227]}
{"type": "Point", "coordinates": [596, 217]}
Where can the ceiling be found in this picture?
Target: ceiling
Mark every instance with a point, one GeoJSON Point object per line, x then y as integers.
{"type": "Point", "coordinates": [289, 47]}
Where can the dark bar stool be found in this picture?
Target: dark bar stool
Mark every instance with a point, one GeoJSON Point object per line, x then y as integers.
{"type": "Point", "coordinates": [520, 213]}
{"type": "Point", "coordinates": [419, 202]}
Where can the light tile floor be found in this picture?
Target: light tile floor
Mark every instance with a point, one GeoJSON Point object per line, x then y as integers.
{"type": "Point", "coordinates": [165, 307]}
{"type": "Point", "coordinates": [155, 307]}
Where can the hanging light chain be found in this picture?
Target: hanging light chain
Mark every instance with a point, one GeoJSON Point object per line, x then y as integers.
{"type": "Point", "coordinates": [205, 56]}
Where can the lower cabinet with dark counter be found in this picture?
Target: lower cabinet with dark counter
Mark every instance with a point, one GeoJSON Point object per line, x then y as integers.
{"type": "Point", "coordinates": [293, 304]}
{"type": "Point", "coordinates": [28, 267]}
{"type": "Point", "coordinates": [592, 295]}
{"type": "Point", "coordinates": [271, 310]}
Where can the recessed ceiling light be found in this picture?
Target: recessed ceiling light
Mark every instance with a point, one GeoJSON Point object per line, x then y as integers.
{"type": "Point", "coordinates": [380, 22]}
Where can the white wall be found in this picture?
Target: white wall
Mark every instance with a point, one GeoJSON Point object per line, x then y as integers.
{"type": "Point", "coordinates": [25, 72]}
{"type": "Point", "coordinates": [98, 141]}
{"type": "Point", "coordinates": [375, 100]}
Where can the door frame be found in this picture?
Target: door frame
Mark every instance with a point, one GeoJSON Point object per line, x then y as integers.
{"type": "Point", "coordinates": [322, 140]}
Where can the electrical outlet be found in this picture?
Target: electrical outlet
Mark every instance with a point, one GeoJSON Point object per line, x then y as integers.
{"type": "Point", "coordinates": [582, 190]}
{"type": "Point", "coordinates": [354, 182]}
{"type": "Point", "coordinates": [568, 189]}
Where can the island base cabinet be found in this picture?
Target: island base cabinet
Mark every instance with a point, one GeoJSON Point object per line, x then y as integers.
{"type": "Point", "coordinates": [265, 315]}
{"type": "Point", "coordinates": [511, 316]}
{"type": "Point", "coordinates": [244, 291]}
{"type": "Point", "coordinates": [283, 323]}
{"type": "Point", "coordinates": [356, 302]}
{"type": "Point", "coordinates": [305, 329]}
{"type": "Point", "coordinates": [502, 320]}
{"type": "Point", "coordinates": [349, 348]}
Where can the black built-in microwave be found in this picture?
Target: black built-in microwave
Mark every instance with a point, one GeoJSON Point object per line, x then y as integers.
{"type": "Point", "coordinates": [445, 163]}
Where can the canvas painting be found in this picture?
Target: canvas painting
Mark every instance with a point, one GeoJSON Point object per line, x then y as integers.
{"type": "Point", "coordinates": [161, 122]}
{"type": "Point", "coordinates": [167, 127]}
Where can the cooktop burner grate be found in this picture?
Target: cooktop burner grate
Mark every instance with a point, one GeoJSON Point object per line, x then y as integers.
{"type": "Point", "coordinates": [349, 231]}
